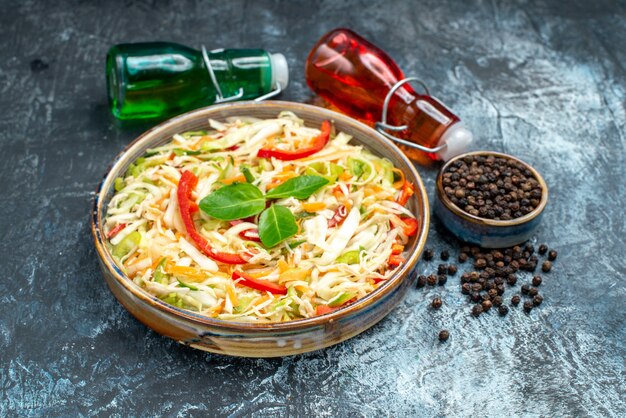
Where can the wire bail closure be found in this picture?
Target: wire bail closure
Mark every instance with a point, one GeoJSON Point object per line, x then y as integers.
{"type": "Point", "coordinates": [219, 97]}
{"type": "Point", "coordinates": [383, 126]}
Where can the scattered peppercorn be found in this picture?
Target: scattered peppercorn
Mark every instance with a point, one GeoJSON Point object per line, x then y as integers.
{"type": "Point", "coordinates": [463, 257]}
{"type": "Point", "coordinates": [452, 269]}
{"type": "Point", "coordinates": [537, 300]}
{"type": "Point", "coordinates": [431, 280]}
{"type": "Point", "coordinates": [445, 255]}
{"type": "Point", "coordinates": [442, 269]}
{"type": "Point", "coordinates": [546, 266]}
{"type": "Point", "coordinates": [436, 303]}
{"type": "Point", "coordinates": [444, 335]}
{"type": "Point", "coordinates": [533, 291]}
{"type": "Point", "coordinates": [486, 305]}
{"type": "Point", "coordinates": [466, 289]}
{"type": "Point", "coordinates": [428, 254]}
{"type": "Point", "coordinates": [528, 306]}
{"type": "Point", "coordinates": [421, 280]}
{"type": "Point", "coordinates": [511, 279]}
{"type": "Point", "coordinates": [477, 310]}
{"type": "Point", "coordinates": [543, 248]}
{"type": "Point", "coordinates": [515, 300]}
{"type": "Point", "coordinates": [537, 280]}
{"type": "Point", "coordinates": [525, 289]}
{"type": "Point", "coordinates": [552, 255]}
{"type": "Point", "coordinates": [442, 279]}
{"type": "Point", "coordinates": [503, 310]}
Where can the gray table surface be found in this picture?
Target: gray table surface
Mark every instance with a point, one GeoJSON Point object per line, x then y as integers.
{"type": "Point", "coordinates": [544, 81]}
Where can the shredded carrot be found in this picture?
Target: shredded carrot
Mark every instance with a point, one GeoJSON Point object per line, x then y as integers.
{"type": "Point", "coordinates": [284, 176]}
{"type": "Point", "coordinates": [397, 249]}
{"type": "Point", "coordinates": [314, 206]}
{"type": "Point", "coordinates": [238, 178]}
{"type": "Point", "coordinates": [232, 296]}
{"type": "Point", "coordinates": [282, 265]}
{"type": "Point", "coordinates": [293, 274]}
{"type": "Point", "coordinates": [371, 189]}
{"type": "Point", "coordinates": [345, 176]}
{"type": "Point", "coordinates": [187, 272]}
{"type": "Point", "coordinates": [216, 310]}
{"type": "Point", "coordinates": [261, 300]}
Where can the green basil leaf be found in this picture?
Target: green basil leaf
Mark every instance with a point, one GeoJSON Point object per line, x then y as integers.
{"type": "Point", "coordinates": [276, 224]}
{"type": "Point", "coordinates": [235, 201]}
{"type": "Point", "coordinates": [299, 187]}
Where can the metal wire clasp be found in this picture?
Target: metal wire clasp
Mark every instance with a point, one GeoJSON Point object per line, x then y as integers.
{"type": "Point", "coordinates": [219, 97]}
{"type": "Point", "coordinates": [382, 126]}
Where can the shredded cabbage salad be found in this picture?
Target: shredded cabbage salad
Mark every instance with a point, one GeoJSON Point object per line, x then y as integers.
{"type": "Point", "coordinates": [333, 245]}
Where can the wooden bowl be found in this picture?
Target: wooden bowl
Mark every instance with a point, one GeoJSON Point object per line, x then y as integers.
{"type": "Point", "coordinates": [488, 233]}
{"type": "Point", "coordinates": [270, 339]}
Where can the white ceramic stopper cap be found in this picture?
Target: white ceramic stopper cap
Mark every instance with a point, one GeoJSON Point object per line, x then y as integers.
{"type": "Point", "coordinates": [280, 70]}
{"type": "Point", "coordinates": [457, 138]}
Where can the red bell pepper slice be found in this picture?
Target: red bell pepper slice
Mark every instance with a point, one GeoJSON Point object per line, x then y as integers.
{"type": "Point", "coordinates": [317, 144]}
{"type": "Point", "coordinates": [395, 260]}
{"type": "Point", "coordinates": [262, 285]}
{"type": "Point", "coordinates": [251, 234]}
{"type": "Point", "coordinates": [186, 184]}
{"type": "Point", "coordinates": [118, 228]}
{"type": "Point", "coordinates": [338, 217]}
{"type": "Point", "coordinates": [323, 309]}
{"type": "Point", "coordinates": [410, 226]}
{"type": "Point", "coordinates": [407, 191]}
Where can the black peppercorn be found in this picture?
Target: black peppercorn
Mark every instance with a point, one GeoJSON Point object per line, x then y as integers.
{"type": "Point", "coordinates": [444, 335]}
{"type": "Point", "coordinates": [486, 305]}
{"type": "Point", "coordinates": [466, 289]}
{"type": "Point", "coordinates": [533, 291]}
{"type": "Point", "coordinates": [477, 287]}
{"type": "Point", "coordinates": [511, 279]}
{"type": "Point", "coordinates": [497, 301]}
{"type": "Point", "coordinates": [480, 263]}
{"type": "Point", "coordinates": [452, 269]}
{"type": "Point", "coordinates": [492, 293]}
{"type": "Point", "coordinates": [462, 257]}
{"type": "Point", "coordinates": [537, 300]}
{"type": "Point", "coordinates": [428, 254]}
{"type": "Point", "coordinates": [546, 266]}
{"type": "Point", "coordinates": [543, 248]}
{"type": "Point", "coordinates": [503, 310]}
{"type": "Point", "coordinates": [515, 300]}
{"type": "Point", "coordinates": [528, 306]}
{"type": "Point", "coordinates": [431, 280]}
{"type": "Point", "coordinates": [475, 297]}
{"type": "Point", "coordinates": [525, 289]}
{"type": "Point", "coordinates": [485, 296]}
{"type": "Point", "coordinates": [445, 255]}
{"type": "Point", "coordinates": [421, 280]}
{"type": "Point", "coordinates": [442, 269]}
{"type": "Point", "coordinates": [537, 280]}
{"type": "Point", "coordinates": [442, 279]}
{"type": "Point", "coordinates": [500, 289]}
{"type": "Point", "coordinates": [477, 310]}
{"type": "Point", "coordinates": [436, 303]}
{"type": "Point", "coordinates": [552, 255]}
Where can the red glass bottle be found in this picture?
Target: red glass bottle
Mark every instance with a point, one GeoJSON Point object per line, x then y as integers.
{"type": "Point", "coordinates": [355, 76]}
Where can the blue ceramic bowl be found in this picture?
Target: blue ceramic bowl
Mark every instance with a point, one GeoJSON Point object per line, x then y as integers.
{"type": "Point", "coordinates": [488, 233]}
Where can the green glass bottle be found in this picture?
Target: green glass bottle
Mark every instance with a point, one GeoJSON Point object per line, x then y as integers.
{"type": "Point", "coordinates": [157, 80]}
